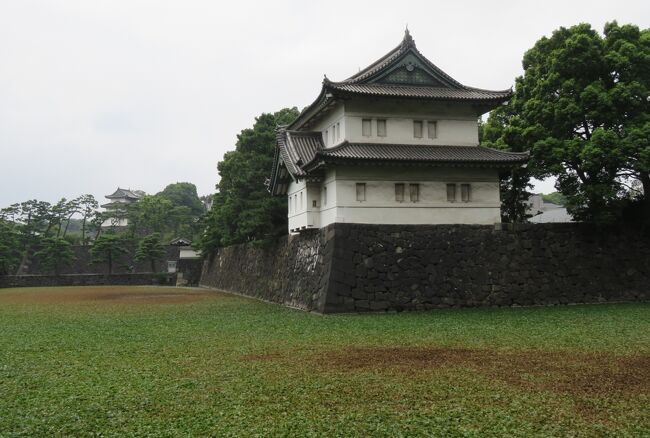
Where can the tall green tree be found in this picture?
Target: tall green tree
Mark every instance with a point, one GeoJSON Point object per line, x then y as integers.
{"type": "Point", "coordinates": [10, 247]}
{"type": "Point", "coordinates": [502, 132]}
{"type": "Point", "coordinates": [55, 253]}
{"type": "Point", "coordinates": [87, 206]}
{"type": "Point", "coordinates": [183, 194]}
{"type": "Point", "coordinates": [583, 109]}
{"type": "Point", "coordinates": [108, 248]}
{"type": "Point", "coordinates": [243, 210]}
{"type": "Point", "coordinates": [151, 214]}
{"type": "Point", "coordinates": [150, 249]}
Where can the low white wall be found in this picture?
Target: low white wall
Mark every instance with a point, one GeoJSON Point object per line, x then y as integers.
{"type": "Point", "coordinates": [465, 214]}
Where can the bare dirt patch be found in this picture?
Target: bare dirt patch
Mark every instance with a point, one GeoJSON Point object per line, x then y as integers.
{"type": "Point", "coordinates": [127, 295]}
{"type": "Point", "coordinates": [563, 372]}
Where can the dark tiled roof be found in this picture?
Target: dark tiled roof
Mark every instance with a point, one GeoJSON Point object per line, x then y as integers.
{"type": "Point", "coordinates": [294, 149]}
{"type": "Point", "coordinates": [391, 90]}
{"type": "Point", "coordinates": [476, 155]}
{"type": "Point", "coordinates": [126, 193]}
{"type": "Point", "coordinates": [298, 148]}
{"type": "Point", "coordinates": [300, 153]}
{"type": "Point", "coordinates": [407, 45]}
{"type": "Point", "coordinates": [181, 241]}
{"type": "Point", "coordinates": [375, 80]}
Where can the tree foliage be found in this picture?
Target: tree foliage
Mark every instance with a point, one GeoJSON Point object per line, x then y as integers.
{"type": "Point", "coordinates": [107, 248]}
{"type": "Point", "coordinates": [10, 248]}
{"type": "Point", "coordinates": [556, 198]}
{"type": "Point", "coordinates": [150, 249]}
{"type": "Point", "coordinates": [55, 253]}
{"type": "Point", "coordinates": [500, 133]}
{"type": "Point", "coordinates": [582, 109]}
{"type": "Point", "coordinates": [242, 209]}
{"type": "Point", "coordinates": [183, 194]}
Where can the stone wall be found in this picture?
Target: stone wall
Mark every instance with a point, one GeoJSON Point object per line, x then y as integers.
{"type": "Point", "coordinates": [293, 270]}
{"type": "Point", "coordinates": [83, 262]}
{"type": "Point", "coordinates": [359, 268]}
{"type": "Point", "coordinates": [86, 280]}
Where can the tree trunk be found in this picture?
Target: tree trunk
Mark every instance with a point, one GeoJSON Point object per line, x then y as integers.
{"type": "Point", "coordinates": [67, 224]}
{"type": "Point", "coordinates": [83, 231]}
{"type": "Point", "coordinates": [110, 263]}
{"type": "Point", "coordinates": [153, 265]}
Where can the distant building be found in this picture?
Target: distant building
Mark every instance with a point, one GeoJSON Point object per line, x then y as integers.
{"type": "Point", "coordinates": [188, 265]}
{"type": "Point", "coordinates": [396, 143]}
{"type": "Point", "coordinates": [180, 241]}
{"type": "Point", "coordinates": [545, 212]}
{"type": "Point", "coordinates": [116, 207]}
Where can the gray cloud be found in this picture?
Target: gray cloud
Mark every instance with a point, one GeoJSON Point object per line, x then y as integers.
{"type": "Point", "coordinates": [140, 94]}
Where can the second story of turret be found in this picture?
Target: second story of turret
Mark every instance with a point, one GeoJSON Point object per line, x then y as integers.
{"type": "Point", "coordinates": [402, 98]}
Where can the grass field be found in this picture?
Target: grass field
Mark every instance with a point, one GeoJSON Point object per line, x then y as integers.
{"type": "Point", "coordinates": [138, 361]}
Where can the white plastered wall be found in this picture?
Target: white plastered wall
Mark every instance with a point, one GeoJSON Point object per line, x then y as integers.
{"type": "Point", "coordinates": [432, 207]}
{"type": "Point", "coordinates": [327, 123]}
{"type": "Point", "coordinates": [457, 125]}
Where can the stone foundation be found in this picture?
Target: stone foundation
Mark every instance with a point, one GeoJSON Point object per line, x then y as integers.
{"type": "Point", "coordinates": [86, 280]}
{"type": "Point", "coordinates": [360, 268]}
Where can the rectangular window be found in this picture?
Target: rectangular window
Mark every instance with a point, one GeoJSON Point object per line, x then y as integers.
{"type": "Point", "coordinates": [451, 192]}
{"type": "Point", "coordinates": [366, 127]}
{"type": "Point", "coordinates": [324, 195]}
{"type": "Point", "coordinates": [338, 131]}
{"type": "Point", "coordinates": [417, 128]}
{"type": "Point", "coordinates": [381, 128]}
{"type": "Point", "coordinates": [361, 191]}
{"type": "Point", "coordinates": [465, 192]}
{"type": "Point", "coordinates": [300, 201]}
{"type": "Point", "coordinates": [327, 136]}
{"type": "Point", "coordinates": [432, 130]}
{"type": "Point", "coordinates": [314, 204]}
{"type": "Point", "coordinates": [399, 192]}
{"type": "Point", "coordinates": [290, 209]}
{"type": "Point", "coordinates": [414, 191]}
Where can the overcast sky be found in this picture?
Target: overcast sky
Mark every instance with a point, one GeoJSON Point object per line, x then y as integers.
{"type": "Point", "coordinates": [99, 94]}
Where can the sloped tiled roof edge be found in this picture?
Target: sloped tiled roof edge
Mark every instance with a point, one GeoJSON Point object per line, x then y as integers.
{"type": "Point", "coordinates": [411, 91]}
{"type": "Point", "coordinates": [294, 149]}
{"type": "Point", "coordinates": [407, 45]}
{"type": "Point", "coordinates": [361, 84]}
{"type": "Point", "coordinates": [439, 155]}
{"type": "Point", "coordinates": [125, 193]}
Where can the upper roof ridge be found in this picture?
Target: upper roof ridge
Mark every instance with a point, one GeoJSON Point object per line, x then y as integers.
{"type": "Point", "coordinates": [408, 40]}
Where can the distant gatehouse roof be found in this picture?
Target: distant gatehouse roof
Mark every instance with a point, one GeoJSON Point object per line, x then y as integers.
{"type": "Point", "coordinates": [126, 193]}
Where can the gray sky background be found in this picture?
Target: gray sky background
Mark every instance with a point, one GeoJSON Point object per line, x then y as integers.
{"type": "Point", "coordinates": [96, 94]}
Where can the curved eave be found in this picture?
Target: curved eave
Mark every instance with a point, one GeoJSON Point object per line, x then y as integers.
{"type": "Point", "coordinates": [317, 164]}
{"type": "Point", "coordinates": [321, 103]}
{"type": "Point", "coordinates": [470, 95]}
{"type": "Point", "coordinates": [437, 156]}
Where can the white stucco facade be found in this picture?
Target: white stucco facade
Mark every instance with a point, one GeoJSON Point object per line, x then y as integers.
{"type": "Point", "coordinates": [335, 198]}
{"type": "Point", "coordinates": [454, 125]}
{"type": "Point", "coordinates": [396, 143]}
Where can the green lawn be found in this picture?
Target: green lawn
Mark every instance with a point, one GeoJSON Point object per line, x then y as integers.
{"type": "Point", "coordinates": [136, 361]}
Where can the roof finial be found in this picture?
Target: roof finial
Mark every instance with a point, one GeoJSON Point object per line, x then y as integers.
{"type": "Point", "coordinates": [408, 39]}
